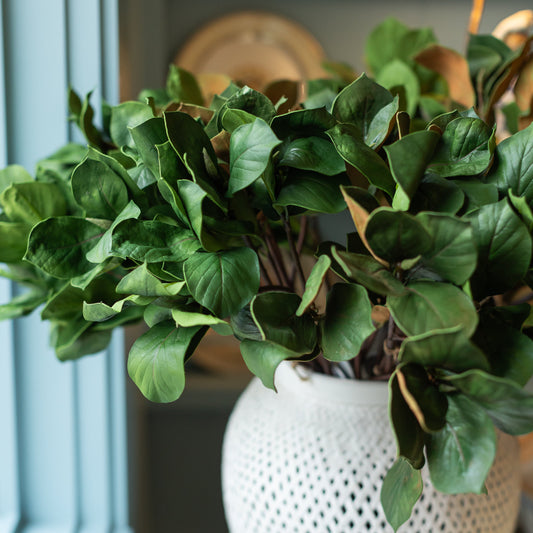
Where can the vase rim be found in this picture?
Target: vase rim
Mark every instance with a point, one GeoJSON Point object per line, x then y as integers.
{"type": "Point", "coordinates": [295, 379]}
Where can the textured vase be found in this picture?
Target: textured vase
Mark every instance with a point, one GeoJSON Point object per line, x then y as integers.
{"type": "Point", "coordinates": [311, 458]}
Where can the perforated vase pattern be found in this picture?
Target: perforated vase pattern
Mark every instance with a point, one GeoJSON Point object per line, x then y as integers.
{"type": "Point", "coordinates": [311, 459]}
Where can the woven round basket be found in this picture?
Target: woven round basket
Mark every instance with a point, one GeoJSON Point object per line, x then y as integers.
{"type": "Point", "coordinates": [311, 458]}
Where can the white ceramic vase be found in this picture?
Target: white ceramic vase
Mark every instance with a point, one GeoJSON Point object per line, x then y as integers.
{"type": "Point", "coordinates": [311, 458]}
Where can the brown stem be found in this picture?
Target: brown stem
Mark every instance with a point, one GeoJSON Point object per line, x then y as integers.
{"type": "Point", "coordinates": [475, 16]}
{"type": "Point", "coordinates": [274, 252]}
{"type": "Point", "coordinates": [357, 366]}
{"type": "Point", "coordinates": [294, 251]}
{"type": "Point", "coordinates": [323, 364]}
{"type": "Point", "coordinates": [302, 234]}
{"type": "Point", "coordinates": [524, 299]}
{"type": "Point", "coordinates": [299, 243]}
{"type": "Point", "coordinates": [390, 333]}
{"type": "Point", "coordinates": [273, 263]}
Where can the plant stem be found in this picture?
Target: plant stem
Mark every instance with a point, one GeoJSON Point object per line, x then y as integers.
{"type": "Point", "coordinates": [323, 364]}
{"type": "Point", "coordinates": [475, 16]}
{"type": "Point", "coordinates": [524, 299]}
{"type": "Point", "coordinates": [294, 251]}
{"type": "Point", "coordinates": [301, 234]}
{"type": "Point", "coordinates": [299, 243]}
{"type": "Point", "coordinates": [390, 333]}
{"type": "Point", "coordinates": [274, 252]}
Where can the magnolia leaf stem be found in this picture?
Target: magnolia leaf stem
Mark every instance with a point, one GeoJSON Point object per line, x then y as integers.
{"type": "Point", "coordinates": [300, 243]}
{"type": "Point", "coordinates": [274, 252]}
{"type": "Point", "coordinates": [475, 16]}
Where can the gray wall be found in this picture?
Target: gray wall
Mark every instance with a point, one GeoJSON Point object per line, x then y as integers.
{"type": "Point", "coordinates": [153, 30]}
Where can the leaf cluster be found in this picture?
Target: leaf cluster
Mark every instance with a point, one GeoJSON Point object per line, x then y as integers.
{"type": "Point", "coordinates": [192, 214]}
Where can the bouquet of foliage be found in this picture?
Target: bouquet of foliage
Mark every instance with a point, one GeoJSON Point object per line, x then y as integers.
{"type": "Point", "coordinates": [192, 215]}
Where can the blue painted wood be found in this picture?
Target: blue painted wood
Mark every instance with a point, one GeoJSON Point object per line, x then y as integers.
{"type": "Point", "coordinates": [63, 451]}
{"type": "Point", "coordinates": [9, 483]}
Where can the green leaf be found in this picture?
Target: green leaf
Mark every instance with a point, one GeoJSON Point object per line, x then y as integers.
{"type": "Point", "coordinates": [523, 209]}
{"type": "Point", "coordinates": [429, 305]}
{"type": "Point", "coordinates": [484, 54]}
{"type": "Point", "coordinates": [101, 312]}
{"type": "Point", "coordinates": [252, 102]}
{"type": "Point", "coordinates": [13, 174]}
{"type": "Point", "coordinates": [274, 313]}
{"type": "Point", "coordinates": [465, 149]}
{"type": "Point", "coordinates": [84, 117]}
{"type": "Point", "coordinates": [510, 352]}
{"type": "Point", "coordinates": [250, 148]}
{"type": "Point", "coordinates": [507, 404]}
{"type": "Point", "coordinates": [22, 304]}
{"type": "Point", "coordinates": [513, 167]}
{"type": "Point", "coordinates": [313, 192]}
{"type": "Point", "coordinates": [125, 117]}
{"type": "Point", "coordinates": [225, 281]}
{"type": "Point", "coordinates": [477, 193]}
{"type": "Point", "coordinates": [347, 322]}
{"type": "Point", "coordinates": [32, 202]}
{"type": "Point", "coordinates": [461, 454]}
{"type": "Point", "coordinates": [313, 283]}
{"type": "Point", "coordinates": [263, 357]}
{"type": "Point", "coordinates": [397, 76]}
{"type": "Point", "coordinates": [312, 153]}
{"type": "Point", "coordinates": [445, 348]}
{"type": "Point", "coordinates": [321, 93]}
{"type": "Point", "coordinates": [195, 151]}
{"type": "Point", "coordinates": [154, 314]}
{"type": "Point", "coordinates": [368, 272]}
{"type": "Point", "coordinates": [116, 167]}
{"type": "Point", "coordinates": [13, 241]}
{"type": "Point", "coordinates": [407, 431]}
{"type": "Point", "coordinates": [369, 107]}
{"type": "Point", "coordinates": [302, 123]}
{"type": "Point", "coordinates": [73, 343]}
{"type": "Point", "coordinates": [400, 490]}
{"type": "Point", "coordinates": [67, 301]}
{"type": "Point", "coordinates": [196, 203]}
{"type": "Point", "coordinates": [393, 40]}
{"type": "Point", "coordinates": [156, 360]}
{"type": "Point", "coordinates": [244, 326]}
{"type": "Point", "coordinates": [437, 194]}
{"type": "Point", "coordinates": [426, 402]}
{"type": "Point", "coordinates": [99, 190]}
{"type": "Point", "coordinates": [396, 235]}
{"type": "Point", "coordinates": [351, 147]}
{"type": "Point", "coordinates": [151, 241]}
{"type": "Point", "coordinates": [59, 245]}
{"type": "Point", "coordinates": [142, 282]}
{"type": "Point", "coordinates": [146, 138]}
{"type": "Point", "coordinates": [82, 281]}
{"type": "Point", "coordinates": [189, 319]}
{"type": "Point", "coordinates": [131, 314]}
{"type": "Point", "coordinates": [233, 118]}
{"type": "Point", "coordinates": [183, 87]}
{"type": "Point", "coordinates": [103, 248]}
{"type": "Point", "coordinates": [406, 169]}
{"type": "Point", "coordinates": [504, 248]}
{"type": "Point", "coordinates": [160, 97]}
{"type": "Point", "coordinates": [452, 254]}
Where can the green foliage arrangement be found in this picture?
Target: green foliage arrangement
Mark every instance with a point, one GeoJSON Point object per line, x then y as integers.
{"type": "Point", "coordinates": [192, 217]}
